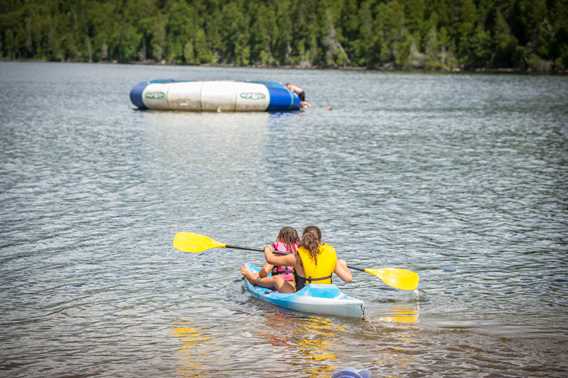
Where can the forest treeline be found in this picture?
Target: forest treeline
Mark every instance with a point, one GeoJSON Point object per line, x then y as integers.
{"type": "Point", "coordinates": [524, 35]}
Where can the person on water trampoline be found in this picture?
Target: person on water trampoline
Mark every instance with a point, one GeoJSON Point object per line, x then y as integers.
{"type": "Point", "coordinates": [301, 94]}
{"type": "Point", "coordinates": [287, 242]}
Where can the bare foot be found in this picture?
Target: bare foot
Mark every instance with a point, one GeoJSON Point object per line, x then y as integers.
{"type": "Point", "coordinates": [250, 276]}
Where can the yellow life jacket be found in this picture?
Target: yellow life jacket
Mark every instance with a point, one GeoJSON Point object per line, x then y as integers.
{"type": "Point", "coordinates": [326, 259]}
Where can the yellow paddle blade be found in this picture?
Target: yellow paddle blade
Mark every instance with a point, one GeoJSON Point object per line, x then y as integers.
{"type": "Point", "coordinates": [195, 243]}
{"type": "Point", "coordinates": [398, 278]}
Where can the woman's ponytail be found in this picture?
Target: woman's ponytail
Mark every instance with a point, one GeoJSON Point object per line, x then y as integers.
{"type": "Point", "coordinates": [311, 241]}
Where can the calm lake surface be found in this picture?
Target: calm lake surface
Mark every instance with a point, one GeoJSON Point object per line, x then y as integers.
{"type": "Point", "coordinates": [461, 178]}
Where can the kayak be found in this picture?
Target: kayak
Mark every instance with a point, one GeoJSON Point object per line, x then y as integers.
{"type": "Point", "coordinates": [313, 298]}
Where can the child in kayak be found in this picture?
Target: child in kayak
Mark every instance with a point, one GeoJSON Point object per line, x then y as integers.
{"type": "Point", "coordinates": [282, 279]}
{"type": "Point", "coordinates": [314, 262]}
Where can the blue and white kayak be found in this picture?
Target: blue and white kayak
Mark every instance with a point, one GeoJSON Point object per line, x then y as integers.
{"type": "Point", "coordinates": [314, 299]}
{"type": "Point", "coordinates": [214, 96]}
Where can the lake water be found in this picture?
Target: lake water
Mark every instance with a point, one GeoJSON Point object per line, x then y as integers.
{"type": "Point", "coordinates": [461, 178]}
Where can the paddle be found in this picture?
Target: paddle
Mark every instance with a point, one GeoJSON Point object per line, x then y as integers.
{"type": "Point", "coordinates": [401, 279]}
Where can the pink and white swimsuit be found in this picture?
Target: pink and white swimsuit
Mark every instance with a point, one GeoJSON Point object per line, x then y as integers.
{"type": "Point", "coordinates": [287, 272]}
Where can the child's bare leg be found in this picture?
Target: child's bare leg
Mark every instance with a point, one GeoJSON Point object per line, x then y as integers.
{"type": "Point", "coordinates": [254, 278]}
{"type": "Point", "coordinates": [267, 282]}
{"type": "Point", "coordinates": [250, 276]}
{"type": "Point", "coordinates": [284, 286]}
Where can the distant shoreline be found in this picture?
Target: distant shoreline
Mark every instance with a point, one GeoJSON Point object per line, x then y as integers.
{"type": "Point", "coordinates": [490, 71]}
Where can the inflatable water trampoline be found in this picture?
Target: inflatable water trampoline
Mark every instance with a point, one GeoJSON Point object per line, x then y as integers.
{"type": "Point", "coordinates": [214, 96]}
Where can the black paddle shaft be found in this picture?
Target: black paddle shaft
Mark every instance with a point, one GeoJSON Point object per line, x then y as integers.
{"type": "Point", "coordinates": [251, 249]}
{"type": "Point", "coordinates": [243, 248]}
{"type": "Point", "coordinates": [354, 267]}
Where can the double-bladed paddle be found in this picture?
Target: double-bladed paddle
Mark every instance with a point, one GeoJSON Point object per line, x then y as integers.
{"type": "Point", "coordinates": [401, 279]}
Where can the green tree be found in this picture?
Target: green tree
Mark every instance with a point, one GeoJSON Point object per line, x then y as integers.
{"type": "Point", "coordinates": [282, 38]}
{"type": "Point", "coordinates": [180, 29]}
{"type": "Point", "coordinates": [505, 43]}
{"type": "Point", "coordinates": [414, 17]}
{"type": "Point", "coordinates": [234, 33]}
{"type": "Point", "coordinates": [391, 31]}
{"type": "Point", "coordinates": [365, 42]}
{"type": "Point", "coordinates": [465, 27]}
{"type": "Point", "coordinates": [349, 27]}
{"type": "Point", "coordinates": [479, 53]}
{"type": "Point", "coordinates": [261, 35]}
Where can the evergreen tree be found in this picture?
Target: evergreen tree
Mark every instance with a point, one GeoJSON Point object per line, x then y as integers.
{"type": "Point", "coordinates": [505, 43]}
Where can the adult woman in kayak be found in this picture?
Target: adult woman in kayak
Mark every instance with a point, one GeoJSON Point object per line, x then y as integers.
{"type": "Point", "coordinates": [314, 262]}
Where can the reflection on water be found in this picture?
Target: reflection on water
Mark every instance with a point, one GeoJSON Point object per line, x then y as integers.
{"type": "Point", "coordinates": [189, 355]}
{"type": "Point", "coordinates": [401, 313]}
{"type": "Point", "coordinates": [227, 122]}
{"type": "Point", "coordinates": [395, 349]}
{"type": "Point", "coordinates": [310, 341]}
{"type": "Point", "coordinates": [279, 328]}
{"type": "Point", "coordinates": [187, 142]}
{"type": "Point", "coordinates": [315, 338]}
